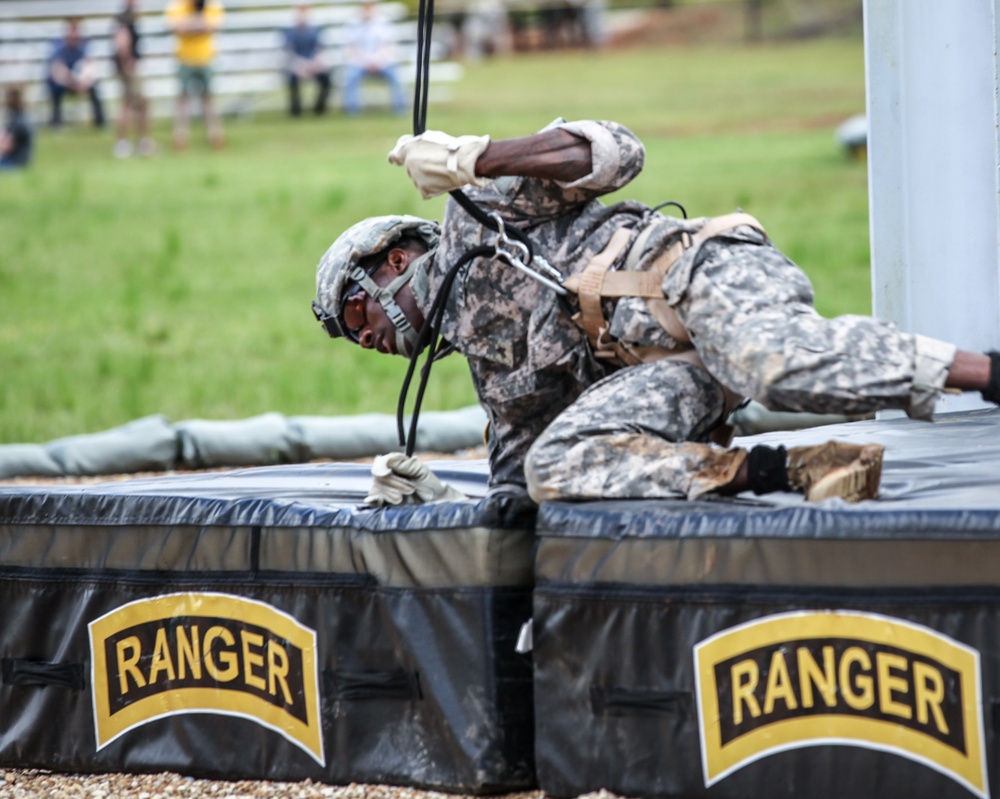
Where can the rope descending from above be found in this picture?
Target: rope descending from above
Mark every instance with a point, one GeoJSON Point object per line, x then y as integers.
{"type": "Point", "coordinates": [425, 21]}
{"type": "Point", "coordinates": [430, 333]}
{"type": "Point", "coordinates": [429, 339]}
{"type": "Point", "coordinates": [425, 26]}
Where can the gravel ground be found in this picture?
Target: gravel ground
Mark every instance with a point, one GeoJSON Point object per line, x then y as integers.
{"type": "Point", "coordinates": [22, 783]}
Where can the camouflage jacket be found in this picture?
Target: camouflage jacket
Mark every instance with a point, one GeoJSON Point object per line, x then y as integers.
{"type": "Point", "coordinates": [528, 359]}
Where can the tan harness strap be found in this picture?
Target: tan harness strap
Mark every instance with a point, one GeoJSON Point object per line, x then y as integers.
{"type": "Point", "coordinates": [631, 284]}
{"type": "Point", "coordinates": [603, 260]}
{"type": "Point", "coordinates": [720, 224]}
{"type": "Point", "coordinates": [637, 284]}
{"type": "Point", "coordinates": [664, 313]}
{"type": "Point", "coordinates": [669, 257]}
{"type": "Point", "coordinates": [589, 286]}
{"type": "Point", "coordinates": [713, 227]}
{"type": "Point", "coordinates": [596, 282]}
{"type": "Point", "coordinates": [649, 282]}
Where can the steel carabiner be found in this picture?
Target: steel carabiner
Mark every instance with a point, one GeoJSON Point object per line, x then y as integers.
{"type": "Point", "coordinates": [523, 259]}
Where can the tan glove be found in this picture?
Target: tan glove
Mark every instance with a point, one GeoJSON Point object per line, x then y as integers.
{"type": "Point", "coordinates": [401, 480]}
{"type": "Point", "coordinates": [437, 162]}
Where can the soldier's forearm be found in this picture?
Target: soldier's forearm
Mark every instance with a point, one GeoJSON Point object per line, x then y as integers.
{"type": "Point", "coordinates": [969, 371]}
{"type": "Point", "coordinates": [553, 154]}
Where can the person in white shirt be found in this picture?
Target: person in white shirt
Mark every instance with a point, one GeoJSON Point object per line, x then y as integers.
{"type": "Point", "coordinates": [371, 53]}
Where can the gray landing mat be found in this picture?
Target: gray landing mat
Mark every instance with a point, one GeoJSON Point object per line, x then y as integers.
{"type": "Point", "coordinates": [264, 624]}
{"type": "Point", "coordinates": [765, 647]}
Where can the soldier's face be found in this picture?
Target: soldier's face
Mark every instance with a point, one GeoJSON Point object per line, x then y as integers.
{"type": "Point", "coordinates": [378, 332]}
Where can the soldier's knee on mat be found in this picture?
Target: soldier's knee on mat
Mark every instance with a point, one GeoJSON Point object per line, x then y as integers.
{"type": "Point", "coordinates": [538, 472]}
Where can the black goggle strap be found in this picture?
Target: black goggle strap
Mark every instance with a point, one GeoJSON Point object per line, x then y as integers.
{"type": "Point", "coordinates": [385, 296]}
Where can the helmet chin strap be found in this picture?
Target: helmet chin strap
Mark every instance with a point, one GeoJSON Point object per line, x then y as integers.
{"type": "Point", "coordinates": [406, 336]}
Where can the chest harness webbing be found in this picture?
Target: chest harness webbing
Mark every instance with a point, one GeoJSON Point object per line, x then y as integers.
{"type": "Point", "coordinates": [597, 282]}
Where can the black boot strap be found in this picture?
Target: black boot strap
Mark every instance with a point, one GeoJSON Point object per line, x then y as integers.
{"type": "Point", "coordinates": [767, 470]}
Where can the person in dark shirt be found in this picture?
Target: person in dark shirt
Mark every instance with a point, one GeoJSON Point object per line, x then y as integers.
{"type": "Point", "coordinates": [134, 107]}
{"type": "Point", "coordinates": [17, 137]}
{"type": "Point", "coordinates": [305, 62]}
{"type": "Point", "coordinates": [70, 70]}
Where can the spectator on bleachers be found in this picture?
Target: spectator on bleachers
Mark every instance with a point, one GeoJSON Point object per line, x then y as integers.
{"type": "Point", "coordinates": [195, 23]}
{"type": "Point", "coordinates": [134, 107]}
{"type": "Point", "coordinates": [485, 30]}
{"type": "Point", "coordinates": [17, 136]}
{"type": "Point", "coordinates": [71, 71]}
{"type": "Point", "coordinates": [371, 53]}
{"type": "Point", "coordinates": [303, 47]}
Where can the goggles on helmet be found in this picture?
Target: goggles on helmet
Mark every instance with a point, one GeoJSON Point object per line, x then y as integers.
{"type": "Point", "coordinates": [352, 314]}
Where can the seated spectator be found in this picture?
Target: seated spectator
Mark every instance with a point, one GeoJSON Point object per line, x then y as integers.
{"type": "Point", "coordinates": [134, 107]}
{"type": "Point", "coordinates": [371, 52]}
{"type": "Point", "coordinates": [17, 137]}
{"type": "Point", "coordinates": [71, 71]}
{"type": "Point", "coordinates": [305, 62]}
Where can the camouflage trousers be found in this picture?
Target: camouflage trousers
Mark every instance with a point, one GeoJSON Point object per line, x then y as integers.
{"type": "Point", "coordinates": [642, 432]}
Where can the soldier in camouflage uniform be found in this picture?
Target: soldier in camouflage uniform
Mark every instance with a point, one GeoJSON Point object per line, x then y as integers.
{"type": "Point", "coordinates": [567, 424]}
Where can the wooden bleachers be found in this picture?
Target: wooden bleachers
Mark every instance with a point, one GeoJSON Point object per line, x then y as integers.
{"type": "Point", "coordinates": [249, 67]}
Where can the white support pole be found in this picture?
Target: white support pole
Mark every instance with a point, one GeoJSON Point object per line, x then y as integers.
{"type": "Point", "coordinates": [934, 170]}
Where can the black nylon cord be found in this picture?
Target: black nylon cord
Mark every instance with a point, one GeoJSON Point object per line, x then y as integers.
{"type": "Point", "coordinates": [421, 87]}
{"type": "Point", "coordinates": [428, 339]}
{"type": "Point", "coordinates": [429, 335]}
{"type": "Point", "coordinates": [425, 22]}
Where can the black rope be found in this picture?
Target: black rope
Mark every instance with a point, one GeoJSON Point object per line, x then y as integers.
{"type": "Point", "coordinates": [425, 22]}
{"type": "Point", "coordinates": [428, 339]}
{"type": "Point", "coordinates": [421, 87]}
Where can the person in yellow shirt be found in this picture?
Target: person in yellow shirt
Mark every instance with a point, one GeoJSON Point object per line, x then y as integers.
{"type": "Point", "coordinates": [195, 23]}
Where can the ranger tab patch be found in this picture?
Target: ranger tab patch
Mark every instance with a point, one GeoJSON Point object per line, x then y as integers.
{"type": "Point", "coordinates": [811, 678]}
{"type": "Point", "coordinates": [205, 653]}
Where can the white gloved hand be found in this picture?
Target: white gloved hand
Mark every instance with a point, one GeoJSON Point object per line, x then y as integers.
{"type": "Point", "coordinates": [437, 162]}
{"type": "Point", "coordinates": [398, 479]}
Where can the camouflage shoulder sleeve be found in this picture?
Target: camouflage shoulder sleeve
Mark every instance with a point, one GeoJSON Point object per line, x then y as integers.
{"type": "Point", "coordinates": [617, 157]}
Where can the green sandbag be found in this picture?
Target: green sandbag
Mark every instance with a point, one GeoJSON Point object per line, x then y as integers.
{"type": "Point", "coordinates": [370, 434]}
{"type": "Point", "coordinates": [27, 460]}
{"type": "Point", "coordinates": [346, 437]}
{"type": "Point", "coordinates": [259, 441]}
{"type": "Point", "coordinates": [147, 444]}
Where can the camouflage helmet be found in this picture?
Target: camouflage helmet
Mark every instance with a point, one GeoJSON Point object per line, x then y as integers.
{"type": "Point", "coordinates": [339, 268]}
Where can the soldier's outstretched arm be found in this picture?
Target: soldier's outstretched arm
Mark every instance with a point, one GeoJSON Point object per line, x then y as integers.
{"type": "Point", "coordinates": [973, 371]}
{"type": "Point", "coordinates": [437, 162]}
{"type": "Point", "coordinates": [555, 154]}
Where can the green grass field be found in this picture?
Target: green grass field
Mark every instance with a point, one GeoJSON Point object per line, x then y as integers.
{"type": "Point", "coordinates": [181, 284]}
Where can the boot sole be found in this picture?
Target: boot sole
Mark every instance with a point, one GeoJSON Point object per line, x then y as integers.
{"type": "Point", "coordinates": [854, 482]}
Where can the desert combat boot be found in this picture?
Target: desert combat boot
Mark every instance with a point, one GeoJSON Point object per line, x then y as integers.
{"type": "Point", "coordinates": [836, 469]}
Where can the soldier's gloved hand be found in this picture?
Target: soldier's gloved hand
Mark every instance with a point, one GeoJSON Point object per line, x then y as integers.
{"type": "Point", "coordinates": [437, 162]}
{"type": "Point", "coordinates": [398, 479]}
